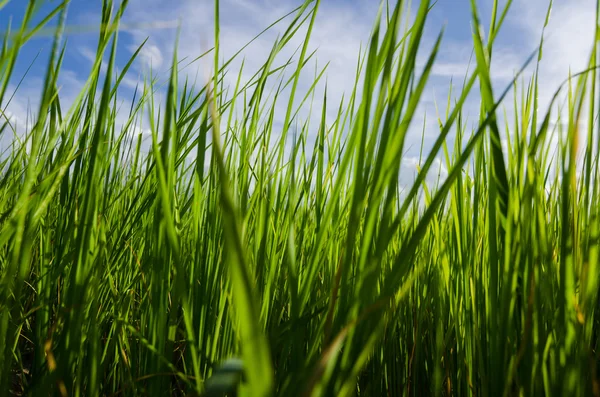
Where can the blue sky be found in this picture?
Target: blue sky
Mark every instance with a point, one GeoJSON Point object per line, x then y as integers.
{"type": "Point", "coordinates": [341, 27]}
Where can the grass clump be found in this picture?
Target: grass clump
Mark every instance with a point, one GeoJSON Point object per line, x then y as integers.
{"type": "Point", "coordinates": [291, 268]}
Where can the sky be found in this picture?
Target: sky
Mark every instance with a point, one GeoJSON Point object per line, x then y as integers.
{"type": "Point", "coordinates": [342, 26]}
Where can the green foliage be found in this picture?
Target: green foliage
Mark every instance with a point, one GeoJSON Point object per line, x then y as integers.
{"type": "Point", "coordinates": [284, 269]}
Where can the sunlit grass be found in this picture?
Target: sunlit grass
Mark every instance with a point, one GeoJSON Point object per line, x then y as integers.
{"type": "Point", "coordinates": [288, 268]}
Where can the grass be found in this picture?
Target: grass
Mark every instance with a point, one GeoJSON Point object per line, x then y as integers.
{"type": "Point", "coordinates": [307, 267]}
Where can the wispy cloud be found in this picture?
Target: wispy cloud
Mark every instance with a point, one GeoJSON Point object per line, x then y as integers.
{"type": "Point", "coordinates": [151, 55]}
{"type": "Point", "coordinates": [567, 42]}
{"type": "Point", "coordinates": [341, 30]}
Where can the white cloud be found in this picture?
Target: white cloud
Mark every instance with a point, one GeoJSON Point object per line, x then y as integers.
{"type": "Point", "coordinates": [241, 20]}
{"type": "Point", "coordinates": [568, 43]}
{"type": "Point", "coordinates": [340, 29]}
{"type": "Point", "coordinates": [338, 33]}
{"type": "Point", "coordinates": [568, 39]}
{"type": "Point", "coordinates": [151, 55]}
{"type": "Point", "coordinates": [128, 81]}
{"type": "Point", "coordinates": [450, 69]}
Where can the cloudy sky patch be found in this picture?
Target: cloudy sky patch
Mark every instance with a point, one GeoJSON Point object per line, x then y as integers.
{"type": "Point", "coordinates": [342, 28]}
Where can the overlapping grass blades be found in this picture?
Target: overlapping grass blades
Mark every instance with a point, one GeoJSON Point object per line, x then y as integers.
{"type": "Point", "coordinates": [126, 271]}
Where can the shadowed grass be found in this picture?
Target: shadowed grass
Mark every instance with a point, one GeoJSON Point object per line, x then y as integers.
{"type": "Point", "coordinates": [289, 260]}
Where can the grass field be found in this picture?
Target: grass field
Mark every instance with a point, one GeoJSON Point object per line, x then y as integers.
{"type": "Point", "coordinates": [303, 262]}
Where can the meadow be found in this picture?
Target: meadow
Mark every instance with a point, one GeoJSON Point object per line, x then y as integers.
{"type": "Point", "coordinates": [235, 257]}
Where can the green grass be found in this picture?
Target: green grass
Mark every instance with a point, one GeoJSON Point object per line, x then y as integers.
{"type": "Point", "coordinates": [132, 273]}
